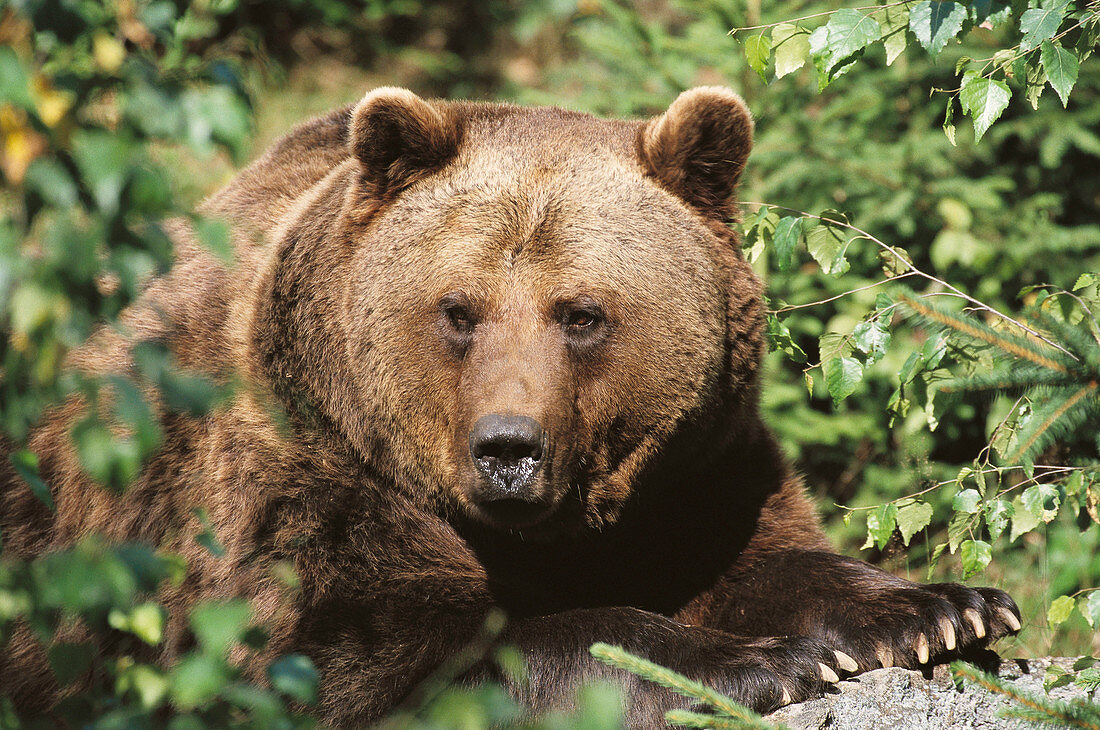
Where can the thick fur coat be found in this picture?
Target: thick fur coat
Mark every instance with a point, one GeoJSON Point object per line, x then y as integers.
{"type": "Point", "coordinates": [491, 357]}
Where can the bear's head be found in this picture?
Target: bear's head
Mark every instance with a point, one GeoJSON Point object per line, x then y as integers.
{"type": "Point", "coordinates": [520, 312]}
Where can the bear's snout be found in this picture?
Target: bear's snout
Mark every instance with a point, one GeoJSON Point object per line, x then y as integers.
{"type": "Point", "coordinates": [508, 453]}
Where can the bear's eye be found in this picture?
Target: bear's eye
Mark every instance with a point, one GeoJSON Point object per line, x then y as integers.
{"type": "Point", "coordinates": [457, 317]}
{"type": "Point", "coordinates": [460, 318]}
{"type": "Point", "coordinates": [581, 320]}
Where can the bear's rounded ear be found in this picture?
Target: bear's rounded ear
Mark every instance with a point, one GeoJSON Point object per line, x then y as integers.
{"type": "Point", "coordinates": [698, 147]}
{"type": "Point", "coordinates": [399, 138]}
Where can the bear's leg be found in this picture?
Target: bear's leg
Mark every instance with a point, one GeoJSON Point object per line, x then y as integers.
{"type": "Point", "coordinates": [364, 675]}
{"type": "Point", "coordinates": [872, 616]}
{"type": "Point", "coordinates": [762, 673]}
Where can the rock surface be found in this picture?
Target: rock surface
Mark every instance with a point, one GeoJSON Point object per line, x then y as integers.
{"type": "Point", "coordinates": [901, 699]}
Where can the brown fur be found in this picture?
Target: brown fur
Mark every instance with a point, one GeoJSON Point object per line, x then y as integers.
{"type": "Point", "coordinates": [673, 526]}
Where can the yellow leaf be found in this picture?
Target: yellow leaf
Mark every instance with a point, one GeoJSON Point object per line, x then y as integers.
{"type": "Point", "coordinates": [52, 104]}
{"type": "Point", "coordinates": [107, 52]}
{"type": "Point", "coordinates": [20, 144]}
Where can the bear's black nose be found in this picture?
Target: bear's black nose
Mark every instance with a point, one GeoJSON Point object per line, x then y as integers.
{"type": "Point", "coordinates": [507, 450]}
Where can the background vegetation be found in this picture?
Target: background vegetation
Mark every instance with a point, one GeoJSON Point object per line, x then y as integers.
{"type": "Point", "coordinates": [117, 113]}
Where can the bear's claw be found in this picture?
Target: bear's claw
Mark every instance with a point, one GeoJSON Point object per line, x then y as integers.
{"type": "Point", "coordinates": [947, 629]}
{"type": "Point", "coordinates": [847, 663]}
{"type": "Point", "coordinates": [1009, 618]}
{"type": "Point", "coordinates": [921, 646]}
{"type": "Point", "coordinates": [976, 623]}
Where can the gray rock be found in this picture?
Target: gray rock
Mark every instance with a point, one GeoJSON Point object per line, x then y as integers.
{"type": "Point", "coordinates": [900, 699]}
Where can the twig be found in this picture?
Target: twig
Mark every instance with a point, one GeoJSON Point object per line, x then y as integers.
{"type": "Point", "coordinates": [734, 31]}
{"type": "Point", "coordinates": [923, 274]}
{"type": "Point", "coordinates": [792, 307]}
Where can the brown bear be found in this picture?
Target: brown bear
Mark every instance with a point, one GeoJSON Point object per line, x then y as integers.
{"type": "Point", "coordinates": [492, 357]}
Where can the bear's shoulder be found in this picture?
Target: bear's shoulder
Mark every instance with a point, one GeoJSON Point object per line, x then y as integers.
{"type": "Point", "coordinates": [264, 191]}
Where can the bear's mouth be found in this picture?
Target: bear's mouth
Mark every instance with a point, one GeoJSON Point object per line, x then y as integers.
{"type": "Point", "coordinates": [510, 455]}
{"type": "Point", "coordinates": [514, 495]}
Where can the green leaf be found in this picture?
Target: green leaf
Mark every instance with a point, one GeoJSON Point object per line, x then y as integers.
{"type": "Point", "coordinates": [215, 237]}
{"type": "Point", "coordinates": [52, 181]}
{"type": "Point", "coordinates": [1043, 501]}
{"type": "Point", "coordinates": [220, 624]}
{"type": "Point", "coordinates": [935, 23]}
{"type": "Point", "coordinates": [788, 232]}
{"type": "Point", "coordinates": [967, 501]}
{"type": "Point", "coordinates": [26, 466]}
{"type": "Point", "coordinates": [1034, 76]}
{"type": "Point", "coordinates": [148, 683]}
{"type": "Point", "coordinates": [791, 46]}
{"type": "Point", "coordinates": [1060, 610]}
{"type": "Point", "coordinates": [984, 99]}
{"type": "Point", "coordinates": [1089, 678]}
{"type": "Point", "coordinates": [819, 46]}
{"type": "Point", "coordinates": [146, 621]}
{"type": "Point", "coordinates": [991, 11]}
{"type": "Point", "coordinates": [949, 121]}
{"type": "Point", "coordinates": [1085, 280]}
{"type": "Point", "coordinates": [70, 661]}
{"type": "Point", "coordinates": [842, 375]}
{"type": "Point", "coordinates": [833, 344]}
{"type": "Point", "coordinates": [104, 160]}
{"type": "Point", "coordinates": [1023, 519]}
{"type": "Point", "coordinates": [295, 676]}
{"type": "Point", "coordinates": [912, 518]}
{"type": "Point", "coordinates": [207, 538]}
{"type": "Point", "coordinates": [1061, 68]}
{"type": "Point", "coordinates": [14, 83]}
{"type": "Point", "coordinates": [1040, 24]}
{"type": "Point", "coordinates": [894, 20]}
{"type": "Point", "coordinates": [872, 337]}
{"type": "Point", "coordinates": [197, 679]}
{"type": "Point", "coordinates": [779, 338]}
{"type": "Point", "coordinates": [958, 528]}
{"type": "Point", "coordinates": [110, 460]}
{"type": "Point", "coordinates": [1089, 606]}
{"type": "Point", "coordinates": [827, 244]}
{"type": "Point", "coordinates": [976, 554]}
{"type": "Point", "coordinates": [849, 31]}
{"type": "Point", "coordinates": [998, 513]}
{"type": "Point", "coordinates": [758, 233]}
{"type": "Point", "coordinates": [880, 525]}
{"type": "Point", "coordinates": [757, 52]}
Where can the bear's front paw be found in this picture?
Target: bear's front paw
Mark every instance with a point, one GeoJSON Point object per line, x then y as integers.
{"type": "Point", "coordinates": [766, 673]}
{"type": "Point", "coordinates": [912, 624]}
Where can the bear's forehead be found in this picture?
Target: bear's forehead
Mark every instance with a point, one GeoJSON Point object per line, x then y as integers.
{"type": "Point", "coordinates": [541, 169]}
{"type": "Point", "coordinates": [558, 199]}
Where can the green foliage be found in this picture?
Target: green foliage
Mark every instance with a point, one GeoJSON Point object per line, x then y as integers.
{"type": "Point", "coordinates": [727, 713]}
{"type": "Point", "coordinates": [95, 596]}
{"type": "Point", "coordinates": [1062, 378]}
{"type": "Point", "coordinates": [1035, 709]}
{"type": "Point", "coordinates": [1047, 43]}
{"type": "Point", "coordinates": [989, 226]}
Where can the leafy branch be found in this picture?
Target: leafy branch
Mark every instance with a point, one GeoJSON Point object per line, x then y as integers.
{"type": "Point", "coordinates": [727, 713]}
{"type": "Point", "coordinates": [1054, 38]}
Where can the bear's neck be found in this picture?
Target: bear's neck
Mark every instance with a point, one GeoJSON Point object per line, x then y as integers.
{"type": "Point", "coordinates": [699, 515]}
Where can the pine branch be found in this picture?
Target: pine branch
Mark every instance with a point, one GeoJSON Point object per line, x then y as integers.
{"type": "Point", "coordinates": [619, 658]}
{"type": "Point", "coordinates": [1021, 348]}
{"type": "Point", "coordinates": [1012, 380]}
{"type": "Point", "coordinates": [686, 718]}
{"type": "Point", "coordinates": [1040, 709]}
{"type": "Point", "coordinates": [1077, 338]}
{"type": "Point", "coordinates": [1036, 439]}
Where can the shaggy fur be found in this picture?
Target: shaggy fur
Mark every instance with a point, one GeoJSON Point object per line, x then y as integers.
{"type": "Point", "coordinates": [406, 267]}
